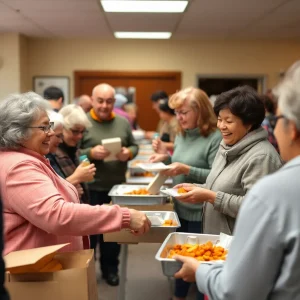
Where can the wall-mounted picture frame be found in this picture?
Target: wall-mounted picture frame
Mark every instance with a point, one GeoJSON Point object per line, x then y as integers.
{"type": "Point", "coordinates": [40, 83]}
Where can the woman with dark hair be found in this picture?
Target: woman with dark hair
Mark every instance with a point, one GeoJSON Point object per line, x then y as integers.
{"type": "Point", "coordinates": [264, 258]}
{"type": "Point", "coordinates": [244, 156]}
{"type": "Point", "coordinates": [169, 126]}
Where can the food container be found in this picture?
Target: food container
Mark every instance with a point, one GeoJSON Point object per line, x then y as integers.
{"type": "Point", "coordinates": [146, 180]}
{"type": "Point", "coordinates": [134, 169]}
{"type": "Point", "coordinates": [118, 196]}
{"type": "Point", "coordinates": [171, 266]}
{"type": "Point", "coordinates": [157, 233]}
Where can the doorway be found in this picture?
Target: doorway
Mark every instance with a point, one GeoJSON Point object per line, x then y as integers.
{"type": "Point", "coordinates": [144, 83]}
{"type": "Point", "coordinates": [215, 85]}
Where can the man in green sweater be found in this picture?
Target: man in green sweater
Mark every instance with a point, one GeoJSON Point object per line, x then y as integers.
{"type": "Point", "coordinates": [107, 125]}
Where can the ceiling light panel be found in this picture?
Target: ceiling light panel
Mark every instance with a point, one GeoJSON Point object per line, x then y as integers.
{"type": "Point", "coordinates": [144, 6]}
{"type": "Point", "coordinates": [142, 35]}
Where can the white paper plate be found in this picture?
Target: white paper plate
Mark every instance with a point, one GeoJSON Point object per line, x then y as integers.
{"type": "Point", "coordinates": [154, 167]}
{"type": "Point", "coordinates": [172, 192]}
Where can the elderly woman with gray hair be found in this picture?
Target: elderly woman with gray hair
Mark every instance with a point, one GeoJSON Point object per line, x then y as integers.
{"type": "Point", "coordinates": [65, 166]}
{"type": "Point", "coordinates": [69, 125]}
{"type": "Point", "coordinates": [264, 259]}
{"type": "Point", "coordinates": [41, 208]}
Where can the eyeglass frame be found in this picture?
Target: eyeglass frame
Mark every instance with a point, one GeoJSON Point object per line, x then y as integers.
{"type": "Point", "coordinates": [60, 136]}
{"type": "Point", "coordinates": [181, 113]}
{"type": "Point", "coordinates": [78, 132]}
{"type": "Point", "coordinates": [45, 128]}
{"type": "Point", "coordinates": [276, 118]}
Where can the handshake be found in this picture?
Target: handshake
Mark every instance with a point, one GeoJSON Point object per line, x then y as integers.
{"type": "Point", "coordinates": [139, 223]}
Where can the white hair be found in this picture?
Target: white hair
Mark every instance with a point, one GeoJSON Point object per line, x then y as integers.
{"type": "Point", "coordinates": [56, 118]}
{"type": "Point", "coordinates": [288, 93]}
{"type": "Point", "coordinates": [74, 115]}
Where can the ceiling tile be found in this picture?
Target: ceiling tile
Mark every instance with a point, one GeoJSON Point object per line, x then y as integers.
{"type": "Point", "coordinates": [142, 22]}
{"type": "Point", "coordinates": [210, 17]}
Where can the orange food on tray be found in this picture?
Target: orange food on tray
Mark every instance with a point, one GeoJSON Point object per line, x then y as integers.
{"type": "Point", "coordinates": [170, 222]}
{"type": "Point", "coordinates": [136, 162]}
{"type": "Point", "coordinates": [181, 190]}
{"type": "Point", "coordinates": [144, 174]}
{"type": "Point", "coordinates": [202, 252]}
{"type": "Point", "coordinates": [138, 192]}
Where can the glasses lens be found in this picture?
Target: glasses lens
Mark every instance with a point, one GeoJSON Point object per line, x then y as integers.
{"type": "Point", "coordinates": [48, 127]}
{"type": "Point", "coordinates": [77, 132]}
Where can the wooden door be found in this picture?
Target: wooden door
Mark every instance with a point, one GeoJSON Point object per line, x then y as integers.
{"type": "Point", "coordinates": [145, 83]}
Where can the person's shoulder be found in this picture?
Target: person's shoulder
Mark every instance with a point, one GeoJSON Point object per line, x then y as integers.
{"type": "Point", "coordinates": [264, 147]}
{"type": "Point", "coordinates": [10, 157]}
{"type": "Point", "coordinates": [122, 120]}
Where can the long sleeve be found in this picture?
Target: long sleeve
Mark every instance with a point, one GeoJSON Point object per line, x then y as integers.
{"type": "Point", "coordinates": [254, 258]}
{"type": "Point", "coordinates": [133, 147]}
{"type": "Point", "coordinates": [31, 193]}
{"type": "Point", "coordinates": [256, 168]}
{"type": "Point", "coordinates": [200, 174]}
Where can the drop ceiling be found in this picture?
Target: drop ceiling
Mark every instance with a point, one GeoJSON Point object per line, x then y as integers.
{"type": "Point", "coordinates": [209, 19]}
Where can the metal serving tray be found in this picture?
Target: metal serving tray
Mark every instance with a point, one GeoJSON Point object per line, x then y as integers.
{"type": "Point", "coordinates": [133, 168]}
{"type": "Point", "coordinates": [117, 194]}
{"type": "Point", "coordinates": [164, 215]}
{"type": "Point", "coordinates": [171, 266]}
{"type": "Point", "coordinates": [156, 234]}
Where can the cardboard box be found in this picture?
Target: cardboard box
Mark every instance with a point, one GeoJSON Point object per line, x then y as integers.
{"type": "Point", "coordinates": [77, 280]}
{"type": "Point", "coordinates": [155, 235]}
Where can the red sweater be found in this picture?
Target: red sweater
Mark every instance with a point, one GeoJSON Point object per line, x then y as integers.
{"type": "Point", "coordinates": [41, 209]}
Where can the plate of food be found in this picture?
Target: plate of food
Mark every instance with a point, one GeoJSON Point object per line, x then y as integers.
{"type": "Point", "coordinates": [174, 192]}
{"type": "Point", "coordinates": [153, 167]}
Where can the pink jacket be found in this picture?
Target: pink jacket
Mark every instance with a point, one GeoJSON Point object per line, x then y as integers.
{"type": "Point", "coordinates": [41, 209]}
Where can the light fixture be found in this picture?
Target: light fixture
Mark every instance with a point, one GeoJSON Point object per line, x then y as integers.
{"type": "Point", "coordinates": [142, 35]}
{"type": "Point", "coordinates": [144, 6]}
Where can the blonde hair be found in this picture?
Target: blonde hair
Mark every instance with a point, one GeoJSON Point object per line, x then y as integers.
{"type": "Point", "coordinates": [199, 102]}
{"type": "Point", "coordinates": [74, 115]}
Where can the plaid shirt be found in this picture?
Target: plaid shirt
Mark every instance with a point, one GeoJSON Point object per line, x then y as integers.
{"type": "Point", "coordinates": [267, 125]}
{"type": "Point", "coordinates": [68, 167]}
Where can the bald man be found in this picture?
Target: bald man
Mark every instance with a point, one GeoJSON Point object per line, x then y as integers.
{"type": "Point", "coordinates": [85, 102]}
{"type": "Point", "coordinates": [106, 124]}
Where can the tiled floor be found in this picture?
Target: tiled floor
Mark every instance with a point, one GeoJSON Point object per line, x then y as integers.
{"type": "Point", "coordinates": [145, 280]}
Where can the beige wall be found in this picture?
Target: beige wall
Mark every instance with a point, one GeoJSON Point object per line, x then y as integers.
{"type": "Point", "coordinates": [25, 79]}
{"type": "Point", "coordinates": [27, 57]}
{"type": "Point", "coordinates": [10, 70]}
{"type": "Point", "coordinates": [62, 57]}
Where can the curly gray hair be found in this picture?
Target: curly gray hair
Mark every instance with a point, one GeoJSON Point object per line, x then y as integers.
{"type": "Point", "coordinates": [74, 115]}
{"type": "Point", "coordinates": [288, 93]}
{"type": "Point", "coordinates": [17, 113]}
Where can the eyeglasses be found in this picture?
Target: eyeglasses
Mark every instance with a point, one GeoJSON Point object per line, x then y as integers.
{"type": "Point", "coordinates": [60, 136]}
{"type": "Point", "coordinates": [78, 132]}
{"type": "Point", "coordinates": [181, 113]}
{"type": "Point", "coordinates": [274, 120]}
{"type": "Point", "coordinates": [45, 128]}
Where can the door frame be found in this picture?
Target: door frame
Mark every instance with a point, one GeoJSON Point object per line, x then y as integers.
{"type": "Point", "coordinates": [261, 78]}
{"type": "Point", "coordinates": [78, 75]}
